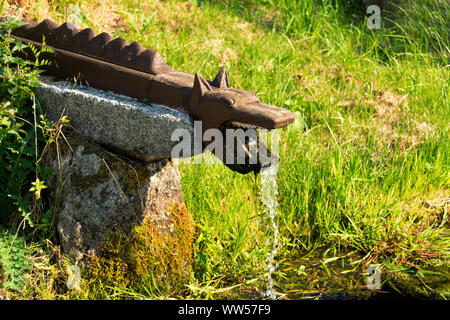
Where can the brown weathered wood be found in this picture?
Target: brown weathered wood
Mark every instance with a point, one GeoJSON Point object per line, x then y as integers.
{"type": "Point", "coordinates": [130, 69]}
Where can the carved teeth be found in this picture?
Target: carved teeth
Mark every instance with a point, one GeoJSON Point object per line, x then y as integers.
{"type": "Point", "coordinates": [235, 124]}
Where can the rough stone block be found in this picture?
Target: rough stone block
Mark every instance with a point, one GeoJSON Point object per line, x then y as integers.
{"type": "Point", "coordinates": [119, 123]}
{"type": "Point", "coordinates": [96, 193]}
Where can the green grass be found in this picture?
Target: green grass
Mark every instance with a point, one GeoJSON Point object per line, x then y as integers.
{"type": "Point", "coordinates": [364, 170]}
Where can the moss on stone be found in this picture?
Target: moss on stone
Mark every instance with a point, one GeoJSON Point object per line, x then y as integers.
{"type": "Point", "coordinates": [84, 182]}
{"type": "Point", "coordinates": [430, 283]}
{"type": "Point", "coordinates": [148, 257]}
{"type": "Point", "coordinates": [133, 175]}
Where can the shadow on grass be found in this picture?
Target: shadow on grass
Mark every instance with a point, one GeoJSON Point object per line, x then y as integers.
{"type": "Point", "coordinates": [291, 17]}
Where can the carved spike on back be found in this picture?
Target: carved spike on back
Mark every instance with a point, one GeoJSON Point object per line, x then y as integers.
{"type": "Point", "coordinates": [81, 39]}
{"type": "Point", "coordinates": [44, 28]}
{"type": "Point", "coordinates": [144, 61]}
{"type": "Point", "coordinates": [96, 46]}
{"type": "Point", "coordinates": [152, 62]}
{"type": "Point", "coordinates": [118, 51]}
{"type": "Point", "coordinates": [62, 37]}
{"type": "Point", "coordinates": [113, 49]}
{"type": "Point", "coordinates": [129, 54]}
{"type": "Point", "coordinates": [24, 30]}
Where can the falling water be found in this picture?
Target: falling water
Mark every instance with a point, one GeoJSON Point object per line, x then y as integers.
{"type": "Point", "coordinates": [269, 196]}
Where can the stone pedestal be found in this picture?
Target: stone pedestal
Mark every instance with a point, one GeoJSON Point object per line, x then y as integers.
{"type": "Point", "coordinates": [97, 193]}
{"type": "Point", "coordinates": [112, 172]}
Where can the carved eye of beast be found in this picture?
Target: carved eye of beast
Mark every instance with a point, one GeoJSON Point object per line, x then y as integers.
{"type": "Point", "coordinates": [230, 101]}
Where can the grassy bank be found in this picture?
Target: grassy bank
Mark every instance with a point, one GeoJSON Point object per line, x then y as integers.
{"type": "Point", "coordinates": [364, 169]}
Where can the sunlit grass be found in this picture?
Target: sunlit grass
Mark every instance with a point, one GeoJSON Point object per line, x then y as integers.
{"type": "Point", "coordinates": [359, 173]}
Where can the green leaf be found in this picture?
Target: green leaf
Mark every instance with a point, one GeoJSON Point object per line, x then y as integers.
{"type": "Point", "coordinates": [38, 185]}
{"type": "Point", "coordinates": [13, 260]}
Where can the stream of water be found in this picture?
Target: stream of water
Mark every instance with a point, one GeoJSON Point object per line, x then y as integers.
{"type": "Point", "coordinates": [269, 199]}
